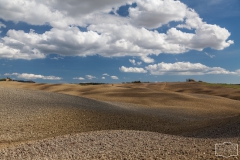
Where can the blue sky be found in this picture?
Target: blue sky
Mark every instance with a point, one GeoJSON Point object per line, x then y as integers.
{"type": "Point", "coordinates": [114, 41]}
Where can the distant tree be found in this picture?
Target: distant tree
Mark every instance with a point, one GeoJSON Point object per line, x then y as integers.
{"type": "Point", "coordinates": [146, 82]}
{"type": "Point", "coordinates": [91, 83]}
{"type": "Point", "coordinates": [190, 80]}
{"type": "Point", "coordinates": [6, 79]}
{"type": "Point", "coordinates": [136, 81]}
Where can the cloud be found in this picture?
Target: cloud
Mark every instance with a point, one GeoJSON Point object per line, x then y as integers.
{"type": "Point", "coordinates": [132, 70]}
{"type": "Point", "coordinates": [206, 36]}
{"type": "Point", "coordinates": [114, 77]}
{"type": "Point", "coordinates": [186, 68]}
{"type": "Point", "coordinates": [211, 36]}
{"type": "Point", "coordinates": [79, 78]}
{"type": "Point", "coordinates": [147, 59]}
{"type": "Point", "coordinates": [2, 25]}
{"type": "Point", "coordinates": [237, 71]}
{"type": "Point", "coordinates": [105, 74]}
{"type": "Point", "coordinates": [90, 77]}
{"type": "Point", "coordinates": [134, 62]}
{"type": "Point", "coordinates": [106, 35]}
{"type": "Point", "coordinates": [32, 12]}
{"type": "Point", "coordinates": [209, 55]}
{"type": "Point", "coordinates": [57, 58]}
{"type": "Point", "coordinates": [155, 13]}
{"type": "Point", "coordinates": [59, 14]}
{"type": "Point", "coordinates": [32, 76]}
{"type": "Point", "coordinates": [14, 49]}
{"type": "Point", "coordinates": [192, 20]}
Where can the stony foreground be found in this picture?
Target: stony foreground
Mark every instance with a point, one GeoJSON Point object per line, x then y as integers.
{"type": "Point", "coordinates": [45, 125]}
{"type": "Point", "coordinates": [119, 144]}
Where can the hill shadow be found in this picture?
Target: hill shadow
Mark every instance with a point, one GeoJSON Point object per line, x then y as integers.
{"type": "Point", "coordinates": [225, 128]}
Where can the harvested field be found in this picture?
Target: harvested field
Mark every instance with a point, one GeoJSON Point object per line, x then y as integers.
{"type": "Point", "coordinates": [32, 115]}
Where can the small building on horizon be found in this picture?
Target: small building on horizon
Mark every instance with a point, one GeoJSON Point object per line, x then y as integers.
{"type": "Point", "coordinates": [8, 79]}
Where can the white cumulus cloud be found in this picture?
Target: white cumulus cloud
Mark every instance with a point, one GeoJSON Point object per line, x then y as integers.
{"type": "Point", "coordinates": [114, 77]}
{"type": "Point", "coordinates": [106, 35]}
{"type": "Point", "coordinates": [147, 59]}
{"type": "Point", "coordinates": [132, 70]}
{"type": "Point", "coordinates": [90, 77]}
{"type": "Point", "coordinates": [105, 74]}
{"type": "Point", "coordinates": [79, 78]}
{"type": "Point", "coordinates": [134, 62]}
{"type": "Point", "coordinates": [32, 76]}
{"type": "Point", "coordinates": [192, 20]}
{"type": "Point", "coordinates": [186, 68]}
{"type": "Point", "coordinates": [155, 13]}
{"type": "Point", "coordinates": [57, 13]}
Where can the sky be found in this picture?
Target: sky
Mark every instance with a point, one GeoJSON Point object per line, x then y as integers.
{"type": "Point", "coordinates": [115, 41]}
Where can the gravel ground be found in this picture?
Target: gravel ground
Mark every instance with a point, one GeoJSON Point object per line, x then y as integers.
{"type": "Point", "coordinates": [119, 144]}
{"type": "Point", "coordinates": [26, 114]}
{"type": "Point", "coordinates": [45, 125]}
